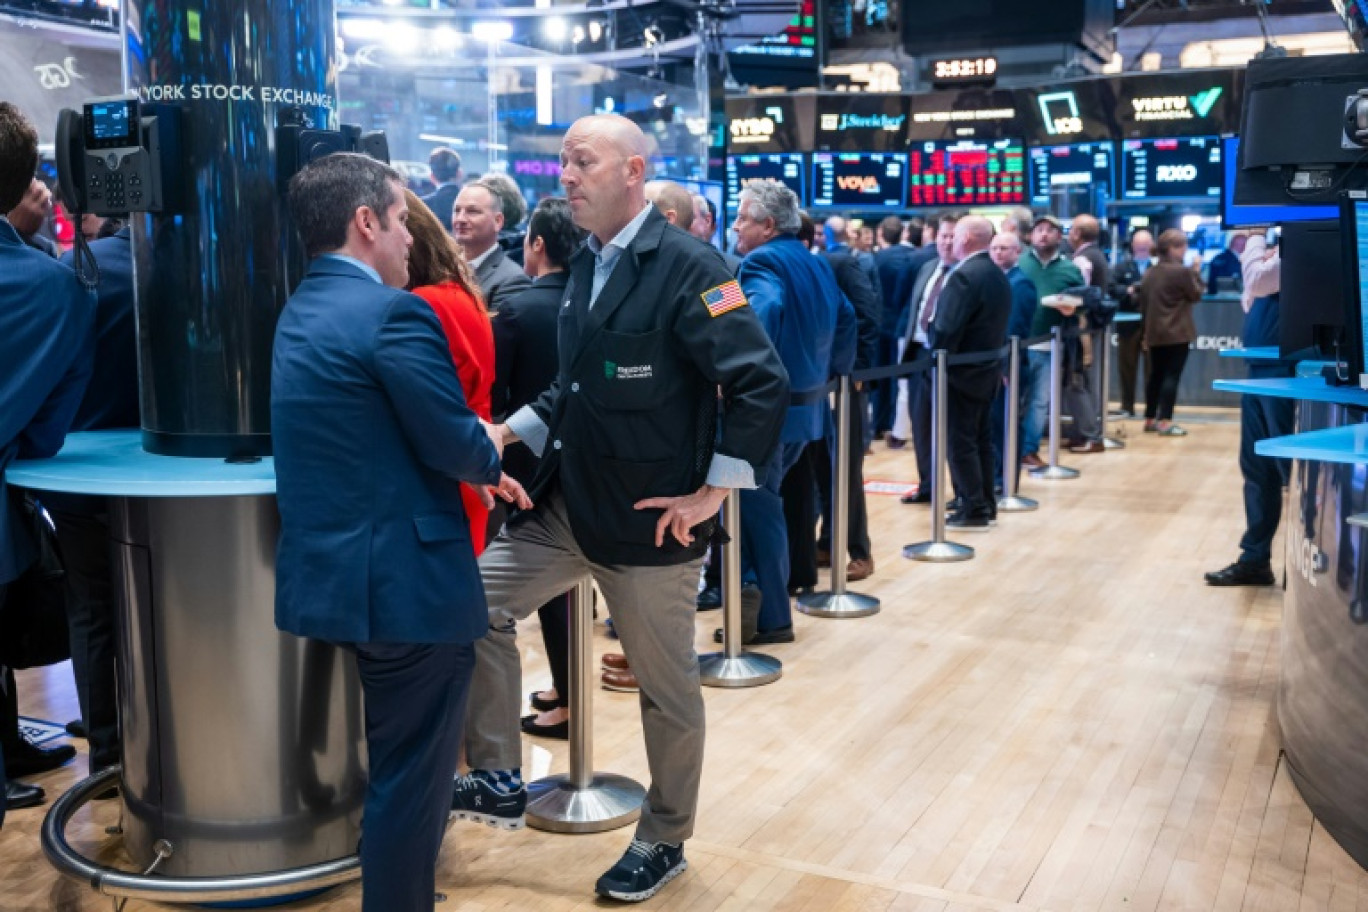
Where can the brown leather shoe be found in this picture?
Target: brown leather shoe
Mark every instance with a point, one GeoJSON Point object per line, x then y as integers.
{"type": "Point", "coordinates": [622, 681]}
{"type": "Point", "coordinates": [1088, 446]}
{"type": "Point", "coordinates": [614, 661]}
{"type": "Point", "coordinates": [858, 570]}
{"type": "Point", "coordinates": [1033, 461]}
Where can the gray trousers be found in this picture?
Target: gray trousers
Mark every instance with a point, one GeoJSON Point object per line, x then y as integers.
{"type": "Point", "coordinates": [653, 614]}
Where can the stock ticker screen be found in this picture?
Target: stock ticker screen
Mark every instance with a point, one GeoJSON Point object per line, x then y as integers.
{"type": "Point", "coordinates": [859, 180]}
{"type": "Point", "coordinates": [1084, 168]}
{"type": "Point", "coordinates": [966, 173]}
{"type": "Point", "coordinates": [1189, 167]}
{"type": "Point", "coordinates": [785, 167]}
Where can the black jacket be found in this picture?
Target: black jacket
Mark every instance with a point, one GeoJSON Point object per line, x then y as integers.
{"type": "Point", "coordinates": [525, 358]}
{"type": "Point", "coordinates": [441, 201]}
{"type": "Point", "coordinates": [853, 281]}
{"type": "Point", "coordinates": [971, 316]}
{"type": "Point", "coordinates": [633, 411]}
{"type": "Point", "coordinates": [898, 267]}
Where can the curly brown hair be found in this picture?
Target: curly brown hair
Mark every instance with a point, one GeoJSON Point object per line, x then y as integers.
{"type": "Point", "coordinates": [434, 257]}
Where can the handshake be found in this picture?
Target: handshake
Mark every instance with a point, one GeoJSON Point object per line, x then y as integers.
{"type": "Point", "coordinates": [508, 488]}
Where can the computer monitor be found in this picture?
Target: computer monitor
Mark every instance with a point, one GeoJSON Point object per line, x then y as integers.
{"type": "Point", "coordinates": [966, 172]}
{"type": "Point", "coordinates": [1313, 304]}
{"type": "Point", "coordinates": [1184, 168]}
{"type": "Point", "coordinates": [1069, 179]}
{"type": "Point", "coordinates": [1354, 229]}
{"type": "Point", "coordinates": [1234, 215]}
{"type": "Point", "coordinates": [785, 167]}
{"type": "Point", "coordinates": [859, 180]}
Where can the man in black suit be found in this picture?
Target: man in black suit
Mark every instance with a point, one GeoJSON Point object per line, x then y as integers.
{"type": "Point", "coordinates": [476, 220]}
{"type": "Point", "coordinates": [897, 264]}
{"type": "Point", "coordinates": [971, 316]}
{"type": "Point", "coordinates": [447, 175]}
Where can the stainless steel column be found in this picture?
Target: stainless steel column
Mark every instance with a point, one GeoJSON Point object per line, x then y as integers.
{"type": "Point", "coordinates": [838, 603]}
{"type": "Point", "coordinates": [583, 801]}
{"type": "Point", "coordinates": [1104, 367]}
{"type": "Point", "coordinates": [733, 667]}
{"type": "Point", "coordinates": [938, 550]}
{"type": "Point", "coordinates": [1010, 501]}
{"type": "Point", "coordinates": [1054, 470]}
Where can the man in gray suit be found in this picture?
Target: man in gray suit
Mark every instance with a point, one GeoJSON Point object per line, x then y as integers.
{"type": "Point", "coordinates": [476, 220]}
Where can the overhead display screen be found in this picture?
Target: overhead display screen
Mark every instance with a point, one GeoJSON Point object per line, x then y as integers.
{"type": "Point", "coordinates": [785, 167]}
{"type": "Point", "coordinates": [1233, 216]}
{"type": "Point", "coordinates": [862, 123]}
{"type": "Point", "coordinates": [1185, 168]}
{"type": "Point", "coordinates": [1080, 169]}
{"type": "Point", "coordinates": [966, 173]}
{"type": "Point", "coordinates": [859, 180]}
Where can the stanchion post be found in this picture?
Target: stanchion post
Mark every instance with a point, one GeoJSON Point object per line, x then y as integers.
{"type": "Point", "coordinates": [1104, 366]}
{"type": "Point", "coordinates": [838, 603]}
{"type": "Point", "coordinates": [1055, 471]}
{"type": "Point", "coordinates": [583, 801]}
{"type": "Point", "coordinates": [938, 550]}
{"type": "Point", "coordinates": [733, 667]}
{"type": "Point", "coordinates": [1011, 501]}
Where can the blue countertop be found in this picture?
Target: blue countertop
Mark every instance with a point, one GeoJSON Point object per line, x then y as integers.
{"type": "Point", "coordinates": [1125, 316]}
{"type": "Point", "coordinates": [113, 463]}
{"type": "Point", "coordinates": [1311, 389]}
{"type": "Point", "coordinates": [1347, 444]}
{"type": "Point", "coordinates": [1269, 353]}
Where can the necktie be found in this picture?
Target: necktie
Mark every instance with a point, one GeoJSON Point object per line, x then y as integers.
{"type": "Point", "coordinates": [929, 308]}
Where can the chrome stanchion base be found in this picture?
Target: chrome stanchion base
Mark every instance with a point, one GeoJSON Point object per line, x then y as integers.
{"type": "Point", "coordinates": [749, 669]}
{"type": "Point", "coordinates": [934, 552]}
{"type": "Point", "coordinates": [1112, 443]}
{"type": "Point", "coordinates": [1054, 473]}
{"type": "Point", "coordinates": [832, 605]}
{"type": "Point", "coordinates": [1016, 504]}
{"type": "Point", "coordinates": [610, 801]}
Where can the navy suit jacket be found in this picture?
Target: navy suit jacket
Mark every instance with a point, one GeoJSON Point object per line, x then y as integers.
{"type": "Point", "coordinates": [1025, 300]}
{"type": "Point", "coordinates": [111, 397]}
{"type": "Point", "coordinates": [372, 438]}
{"type": "Point", "coordinates": [441, 201]}
{"type": "Point", "coordinates": [46, 345]}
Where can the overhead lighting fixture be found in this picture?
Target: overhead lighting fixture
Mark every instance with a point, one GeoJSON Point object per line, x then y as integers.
{"type": "Point", "coordinates": [439, 138]}
{"type": "Point", "coordinates": [555, 28]}
{"type": "Point", "coordinates": [492, 31]}
{"type": "Point", "coordinates": [577, 35]}
{"type": "Point", "coordinates": [595, 30]}
{"type": "Point", "coordinates": [653, 34]}
{"type": "Point", "coordinates": [363, 29]}
{"type": "Point", "coordinates": [446, 37]}
{"type": "Point", "coordinates": [401, 38]}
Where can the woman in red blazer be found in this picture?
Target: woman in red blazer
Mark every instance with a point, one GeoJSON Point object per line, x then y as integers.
{"type": "Point", "coordinates": [439, 275]}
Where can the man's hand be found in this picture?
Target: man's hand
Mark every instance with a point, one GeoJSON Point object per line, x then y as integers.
{"type": "Point", "coordinates": [496, 436]}
{"type": "Point", "coordinates": [683, 513]}
{"type": "Point", "coordinates": [507, 434]}
{"type": "Point", "coordinates": [508, 489]}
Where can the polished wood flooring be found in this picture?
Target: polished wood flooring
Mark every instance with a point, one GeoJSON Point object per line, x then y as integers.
{"type": "Point", "coordinates": [1071, 721]}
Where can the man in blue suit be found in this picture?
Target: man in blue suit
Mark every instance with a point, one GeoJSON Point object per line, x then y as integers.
{"type": "Point", "coordinates": [372, 440]}
{"type": "Point", "coordinates": [813, 327]}
{"type": "Point", "coordinates": [46, 342]}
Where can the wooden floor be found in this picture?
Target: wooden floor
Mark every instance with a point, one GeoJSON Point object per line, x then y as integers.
{"type": "Point", "coordinates": [1071, 721]}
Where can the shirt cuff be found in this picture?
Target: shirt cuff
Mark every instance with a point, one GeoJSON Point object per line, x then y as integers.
{"type": "Point", "coordinates": [730, 472]}
{"type": "Point", "coordinates": [530, 429]}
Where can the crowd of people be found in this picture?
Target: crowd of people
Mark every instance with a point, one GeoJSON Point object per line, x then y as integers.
{"type": "Point", "coordinates": [551, 396]}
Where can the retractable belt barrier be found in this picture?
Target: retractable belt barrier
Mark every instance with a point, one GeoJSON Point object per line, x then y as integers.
{"type": "Point", "coordinates": [1054, 471]}
{"type": "Point", "coordinates": [938, 550]}
{"type": "Point", "coordinates": [583, 801]}
{"type": "Point", "coordinates": [1011, 501]}
{"type": "Point", "coordinates": [1104, 336]}
{"type": "Point", "coordinates": [733, 667]}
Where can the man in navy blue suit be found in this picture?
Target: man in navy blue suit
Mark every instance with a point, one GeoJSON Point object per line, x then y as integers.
{"type": "Point", "coordinates": [46, 342]}
{"type": "Point", "coordinates": [372, 440]}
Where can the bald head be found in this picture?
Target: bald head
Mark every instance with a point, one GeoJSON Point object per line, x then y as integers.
{"type": "Point", "coordinates": [673, 201]}
{"type": "Point", "coordinates": [837, 226]}
{"type": "Point", "coordinates": [603, 171]}
{"type": "Point", "coordinates": [972, 234]}
{"type": "Point", "coordinates": [1084, 230]}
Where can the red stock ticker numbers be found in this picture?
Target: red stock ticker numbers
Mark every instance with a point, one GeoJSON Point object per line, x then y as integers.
{"type": "Point", "coordinates": [966, 172]}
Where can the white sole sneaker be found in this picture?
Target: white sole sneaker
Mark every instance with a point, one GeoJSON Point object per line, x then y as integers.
{"type": "Point", "coordinates": [489, 820]}
{"type": "Point", "coordinates": [647, 894]}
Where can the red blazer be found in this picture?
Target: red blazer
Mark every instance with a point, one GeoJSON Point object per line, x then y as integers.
{"type": "Point", "coordinates": [471, 340]}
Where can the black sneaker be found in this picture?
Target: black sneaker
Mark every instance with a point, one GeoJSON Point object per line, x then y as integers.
{"type": "Point", "coordinates": [1242, 573]}
{"type": "Point", "coordinates": [475, 799]}
{"type": "Point", "coordinates": [709, 599]}
{"type": "Point", "coordinates": [642, 871]}
{"type": "Point", "coordinates": [969, 522]}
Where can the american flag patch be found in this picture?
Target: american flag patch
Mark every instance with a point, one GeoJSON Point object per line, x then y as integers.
{"type": "Point", "coordinates": [723, 298]}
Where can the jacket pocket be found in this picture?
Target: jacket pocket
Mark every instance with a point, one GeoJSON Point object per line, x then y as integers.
{"type": "Point", "coordinates": [439, 527]}
{"type": "Point", "coordinates": [631, 375]}
{"type": "Point", "coordinates": [628, 482]}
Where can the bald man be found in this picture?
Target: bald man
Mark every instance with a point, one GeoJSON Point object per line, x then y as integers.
{"type": "Point", "coordinates": [971, 316]}
{"type": "Point", "coordinates": [634, 466]}
{"type": "Point", "coordinates": [673, 201]}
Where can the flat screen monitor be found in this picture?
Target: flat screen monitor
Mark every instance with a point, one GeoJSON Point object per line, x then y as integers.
{"type": "Point", "coordinates": [785, 167]}
{"type": "Point", "coordinates": [1183, 168]}
{"type": "Point", "coordinates": [859, 180]}
{"type": "Point", "coordinates": [1237, 216]}
{"type": "Point", "coordinates": [966, 172]}
{"type": "Point", "coordinates": [1082, 174]}
{"type": "Point", "coordinates": [1354, 231]}
{"type": "Point", "coordinates": [1313, 304]}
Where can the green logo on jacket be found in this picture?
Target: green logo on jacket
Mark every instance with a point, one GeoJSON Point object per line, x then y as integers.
{"type": "Point", "coordinates": [609, 370]}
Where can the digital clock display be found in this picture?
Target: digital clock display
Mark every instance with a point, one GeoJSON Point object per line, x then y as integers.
{"type": "Point", "coordinates": [964, 69]}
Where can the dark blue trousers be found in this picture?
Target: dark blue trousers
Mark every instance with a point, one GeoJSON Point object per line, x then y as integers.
{"type": "Point", "coordinates": [764, 540]}
{"type": "Point", "coordinates": [1262, 417]}
{"type": "Point", "coordinates": [415, 712]}
{"type": "Point", "coordinates": [884, 394]}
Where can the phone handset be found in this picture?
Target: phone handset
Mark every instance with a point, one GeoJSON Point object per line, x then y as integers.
{"type": "Point", "coordinates": [70, 152]}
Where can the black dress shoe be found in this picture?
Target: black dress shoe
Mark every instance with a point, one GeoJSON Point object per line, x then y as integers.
{"type": "Point", "coordinates": [539, 704]}
{"type": "Point", "coordinates": [76, 728]}
{"type": "Point", "coordinates": [1242, 573]}
{"type": "Point", "coordinates": [560, 730]}
{"type": "Point", "coordinates": [19, 795]}
{"type": "Point", "coordinates": [763, 637]}
{"type": "Point", "coordinates": [709, 599]}
{"type": "Point", "coordinates": [28, 759]}
{"type": "Point", "coordinates": [920, 497]}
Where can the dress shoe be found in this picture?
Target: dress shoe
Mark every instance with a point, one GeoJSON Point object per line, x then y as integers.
{"type": "Point", "coordinates": [1242, 573]}
{"type": "Point", "coordinates": [28, 759]}
{"type": "Point", "coordinates": [557, 730]}
{"type": "Point", "coordinates": [823, 558]}
{"type": "Point", "coordinates": [709, 599]}
{"type": "Point", "coordinates": [76, 728]}
{"type": "Point", "coordinates": [763, 637]}
{"type": "Point", "coordinates": [614, 661]}
{"type": "Point", "coordinates": [964, 521]}
{"type": "Point", "coordinates": [917, 497]}
{"type": "Point", "coordinates": [1033, 461]}
{"type": "Point", "coordinates": [1088, 446]}
{"type": "Point", "coordinates": [895, 443]}
{"type": "Point", "coordinates": [536, 702]}
{"type": "Point", "coordinates": [858, 570]}
{"type": "Point", "coordinates": [621, 681]}
{"type": "Point", "coordinates": [19, 795]}
{"type": "Point", "coordinates": [1121, 413]}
